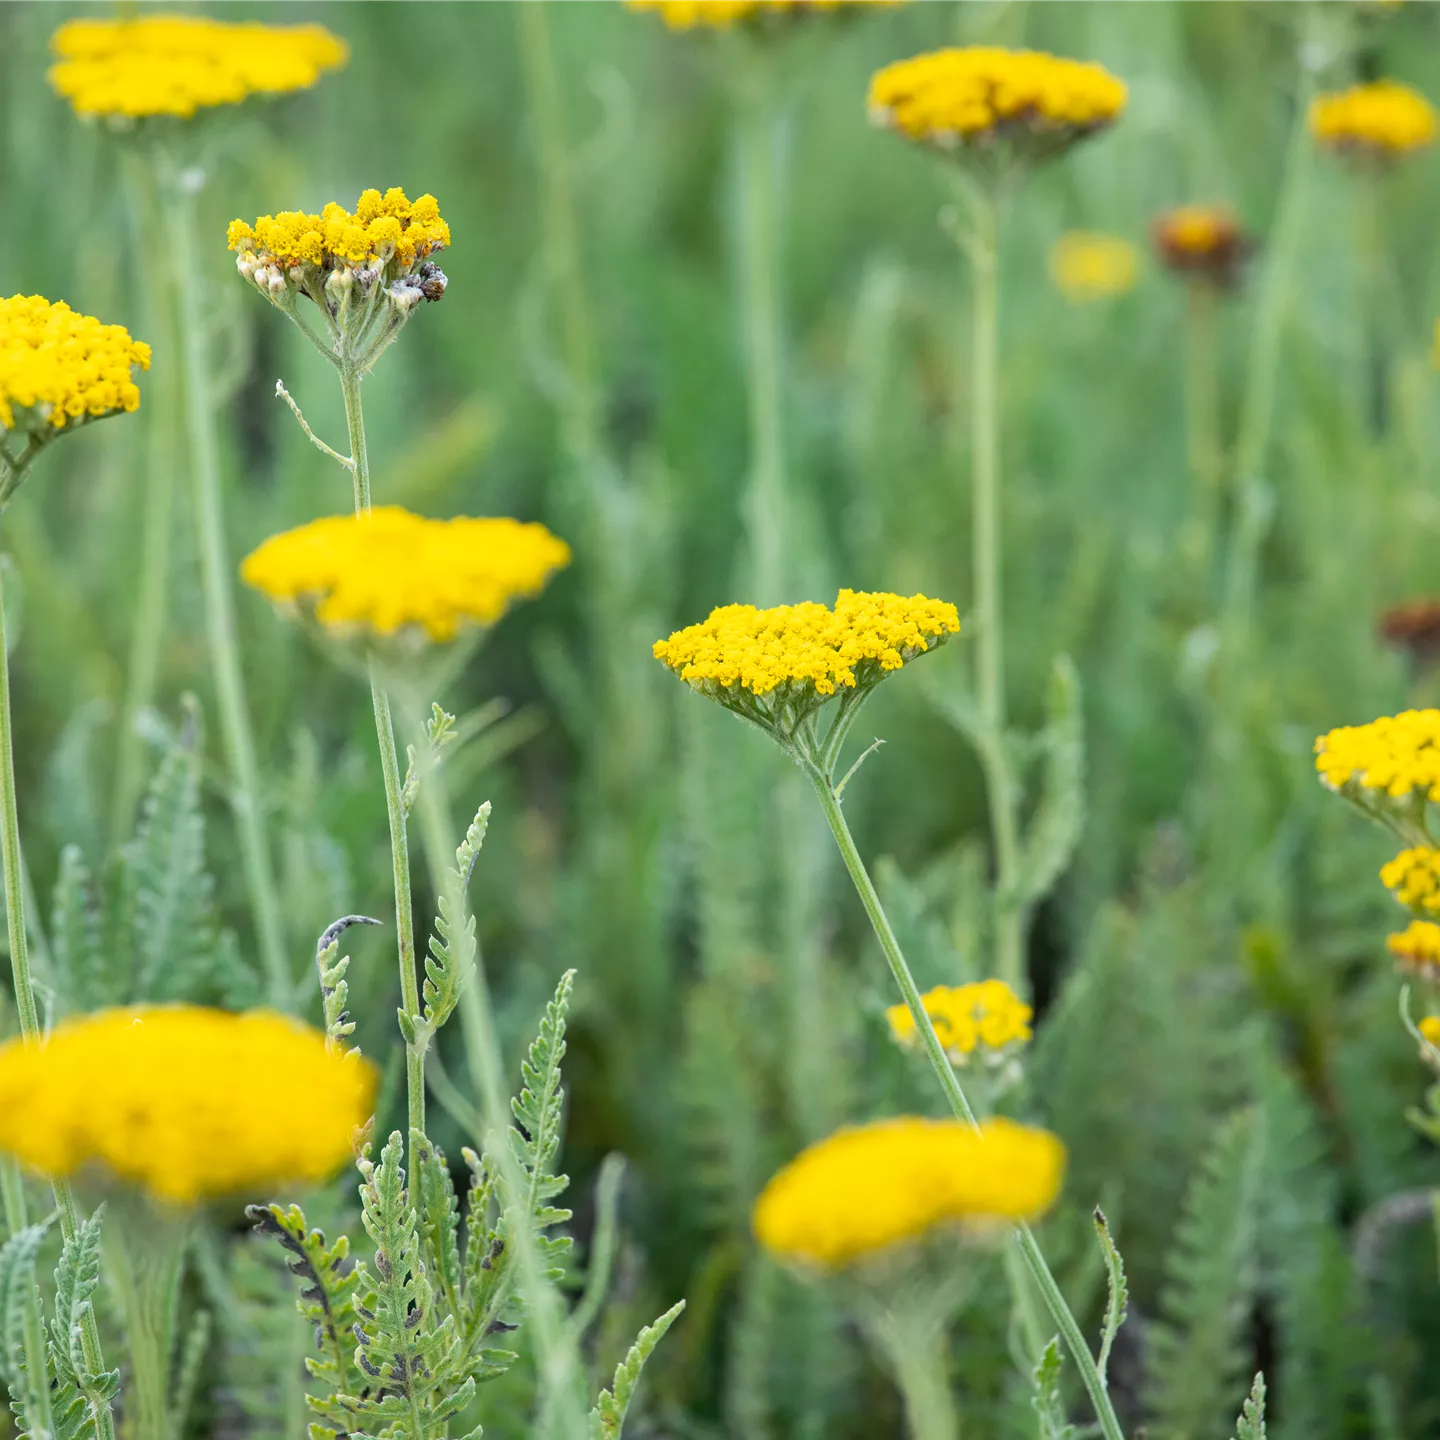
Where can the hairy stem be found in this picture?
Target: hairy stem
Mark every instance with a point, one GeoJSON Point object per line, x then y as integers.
{"type": "Point", "coordinates": [219, 604]}
{"type": "Point", "coordinates": [955, 1095]}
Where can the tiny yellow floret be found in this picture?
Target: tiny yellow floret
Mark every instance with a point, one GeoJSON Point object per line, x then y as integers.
{"type": "Point", "coordinates": [185, 1102]}
{"type": "Point", "coordinates": [1397, 755]}
{"type": "Point", "coordinates": [1429, 1027]}
{"type": "Point", "coordinates": [869, 1188]}
{"type": "Point", "coordinates": [389, 571]}
{"type": "Point", "coordinates": [1381, 120]}
{"type": "Point", "coordinates": [722, 14]}
{"type": "Point", "coordinates": [1413, 877]}
{"type": "Point", "coordinates": [976, 95]}
{"type": "Point", "coordinates": [987, 1016]}
{"type": "Point", "coordinates": [1417, 948]}
{"type": "Point", "coordinates": [59, 367]}
{"type": "Point", "coordinates": [807, 647]}
{"type": "Point", "coordinates": [1089, 266]}
{"type": "Point", "coordinates": [178, 64]}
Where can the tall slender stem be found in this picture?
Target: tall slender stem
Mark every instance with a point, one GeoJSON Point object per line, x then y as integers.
{"type": "Point", "coordinates": [147, 1263]}
{"type": "Point", "coordinates": [350, 380]}
{"type": "Point", "coordinates": [949, 1082]}
{"type": "Point", "coordinates": [766, 500]}
{"type": "Point", "coordinates": [987, 566]}
{"type": "Point", "coordinates": [32, 1331]}
{"type": "Point", "coordinates": [216, 577]}
{"type": "Point", "coordinates": [25, 1003]}
{"type": "Point", "coordinates": [147, 632]}
{"type": "Point", "coordinates": [1202, 423]}
{"type": "Point", "coordinates": [913, 1344]}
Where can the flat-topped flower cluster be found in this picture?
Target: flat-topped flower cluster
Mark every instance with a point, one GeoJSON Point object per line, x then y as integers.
{"type": "Point", "coordinates": [987, 1016]}
{"type": "Point", "coordinates": [1381, 120]}
{"type": "Point", "coordinates": [178, 64]}
{"type": "Point", "coordinates": [59, 367]}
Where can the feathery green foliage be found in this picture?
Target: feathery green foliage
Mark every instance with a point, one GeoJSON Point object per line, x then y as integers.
{"type": "Point", "coordinates": [608, 1416]}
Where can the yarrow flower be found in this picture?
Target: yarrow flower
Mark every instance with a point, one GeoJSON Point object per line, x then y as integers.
{"type": "Point", "coordinates": [1417, 948]}
{"type": "Point", "coordinates": [1379, 121]}
{"type": "Point", "coordinates": [981, 99]}
{"type": "Point", "coordinates": [1429, 1027]}
{"type": "Point", "coordinates": [987, 1018]}
{"type": "Point", "coordinates": [388, 573]}
{"type": "Point", "coordinates": [778, 666]}
{"type": "Point", "coordinates": [177, 64]}
{"type": "Point", "coordinates": [868, 1189]}
{"type": "Point", "coordinates": [185, 1102]}
{"type": "Point", "coordinates": [1089, 266]}
{"type": "Point", "coordinates": [367, 270]}
{"type": "Point", "coordinates": [1396, 756]}
{"type": "Point", "coordinates": [722, 14]}
{"type": "Point", "coordinates": [1413, 877]}
{"type": "Point", "coordinates": [1202, 242]}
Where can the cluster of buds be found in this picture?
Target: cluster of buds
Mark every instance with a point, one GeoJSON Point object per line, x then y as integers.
{"type": "Point", "coordinates": [366, 271]}
{"type": "Point", "coordinates": [1204, 244]}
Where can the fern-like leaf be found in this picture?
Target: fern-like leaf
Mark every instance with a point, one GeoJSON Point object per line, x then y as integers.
{"type": "Point", "coordinates": [452, 947]}
{"type": "Point", "coordinates": [76, 1278]}
{"type": "Point", "coordinates": [1047, 1400]}
{"type": "Point", "coordinates": [1118, 1292]}
{"type": "Point", "coordinates": [1055, 828]}
{"type": "Point", "coordinates": [334, 988]}
{"type": "Point", "coordinates": [19, 1300]}
{"type": "Point", "coordinates": [608, 1416]}
{"type": "Point", "coordinates": [439, 1214]}
{"type": "Point", "coordinates": [80, 966]}
{"type": "Point", "coordinates": [1251, 1424]}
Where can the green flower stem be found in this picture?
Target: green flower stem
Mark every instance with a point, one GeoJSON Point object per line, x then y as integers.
{"type": "Point", "coordinates": [913, 1345]}
{"type": "Point", "coordinates": [955, 1095]}
{"type": "Point", "coordinates": [147, 1261]}
{"type": "Point", "coordinates": [25, 1004]}
{"type": "Point", "coordinates": [32, 1334]}
{"type": "Point", "coordinates": [1202, 422]}
{"type": "Point", "coordinates": [161, 420]}
{"type": "Point", "coordinates": [562, 1374]}
{"type": "Point", "coordinates": [216, 571]}
{"type": "Point", "coordinates": [350, 379]}
{"type": "Point", "coordinates": [987, 557]}
{"type": "Point", "coordinates": [766, 500]}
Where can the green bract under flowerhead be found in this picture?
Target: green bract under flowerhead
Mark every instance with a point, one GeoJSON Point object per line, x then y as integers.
{"type": "Point", "coordinates": [778, 666]}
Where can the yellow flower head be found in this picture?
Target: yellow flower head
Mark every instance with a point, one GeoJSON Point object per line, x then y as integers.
{"type": "Point", "coordinates": [59, 368]}
{"type": "Point", "coordinates": [979, 96]}
{"type": "Point", "coordinates": [777, 666]}
{"type": "Point", "coordinates": [869, 1188]}
{"type": "Point", "coordinates": [389, 571]}
{"type": "Point", "coordinates": [988, 1017]}
{"type": "Point", "coordinates": [1202, 241]}
{"type": "Point", "coordinates": [1429, 1027]}
{"type": "Point", "coordinates": [178, 64]}
{"type": "Point", "coordinates": [1413, 877]}
{"type": "Point", "coordinates": [185, 1102]}
{"type": "Point", "coordinates": [1417, 948]}
{"type": "Point", "coordinates": [1397, 756]}
{"type": "Point", "coordinates": [1087, 266]}
{"type": "Point", "coordinates": [1382, 120]}
{"type": "Point", "coordinates": [722, 14]}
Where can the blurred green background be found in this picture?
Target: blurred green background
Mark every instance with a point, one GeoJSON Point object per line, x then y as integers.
{"type": "Point", "coordinates": [1217, 1036]}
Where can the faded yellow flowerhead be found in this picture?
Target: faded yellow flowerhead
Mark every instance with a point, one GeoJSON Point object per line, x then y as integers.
{"type": "Point", "coordinates": [186, 1103]}
{"type": "Point", "coordinates": [178, 64]}
{"type": "Point", "coordinates": [986, 1020]}
{"type": "Point", "coordinates": [389, 573]}
{"type": "Point", "coordinates": [981, 99]}
{"type": "Point", "coordinates": [870, 1188]}
{"type": "Point", "coordinates": [1088, 266]}
{"type": "Point", "coordinates": [1379, 121]}
{"type": "Point", "coordinates": [723, 14]}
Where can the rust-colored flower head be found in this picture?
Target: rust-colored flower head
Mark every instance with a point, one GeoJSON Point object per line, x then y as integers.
{"type": "Point", "coordinates": [1413, 627]}
{"type": "Point", "coordinates": [1203, 243]}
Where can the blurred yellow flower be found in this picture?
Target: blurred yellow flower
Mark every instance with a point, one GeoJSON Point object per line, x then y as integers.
{"type": "Point", "coordinates": [1383, 119]}
{"type": "Point", "coordinates": [721, 14]}
{"type": "Point", "coordinates": [178, 64]}
{"type": "Point", "coordinates": [388, 571]}
{"type": "Point", "coordinates": [871, 1187]}
{"type": "Point", "coordinates": [57, 366]}
{"type": "Point", "coordinates": [1429, 1027]}
{"type": "Point", "coordinates": [1397, 755]}
{"type": "Point", "coordinates": [980, 95]}
{"type": "Point", "coordinates": [1202, 241]}
{"type": "Point", "coordinates": [1413, 877]}
{"type": "Point", "coordinates": [1417, 947]}
{"type": "Point", "coordinates": [806, 650]}
{"type": "Point", "coordinates": [1089, 266]}
{"type": "Point", "coordinates": [185, 1102]}
{"type": "Point", "coordinates": [987, 1016]}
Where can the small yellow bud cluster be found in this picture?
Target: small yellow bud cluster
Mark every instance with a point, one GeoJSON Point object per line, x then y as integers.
{"type": "Point", "coordinates": [387, 571]}
{"type": "Point", "coordinates": [1417, 948]}
{"type": "Point", "coordinates": [1089, 266]}
{"type": "Point", "coordinates": [1379, 121]}
{"type": "Point", "coordinates": [185, 1102]}
{"type": "Point", "coordinates": [868, 1189]}
{"type": "Point", "coordinates": [1429, 1027]}
{"type": "Point", "coordinates": [1397, 756]}
{"type": "Point", "coordinates": [978, 96]}
{"type": "Point", "coordinates": [722, 14]}
{"type": "Point", "coordinates": [336, 256]}
{"type": "Point", "coordinates": [987, 1017]}
{"type": "Point", "coordinates": [178, 64]}
{"type": "Point", "coordinates": [59, 368]}
{"type": "Point", "coordinates": [1413, 878]}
